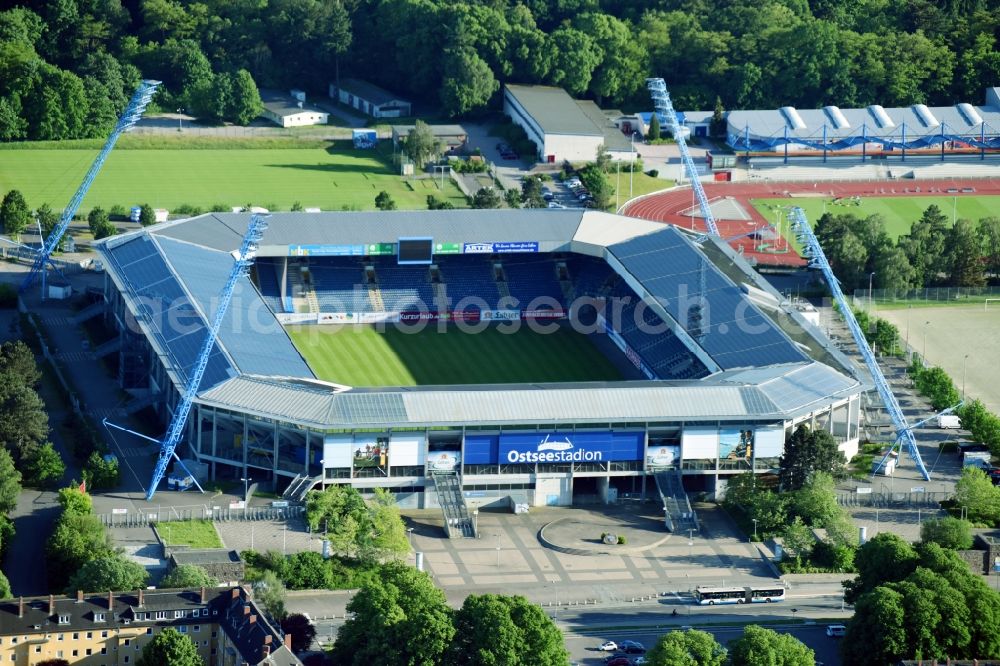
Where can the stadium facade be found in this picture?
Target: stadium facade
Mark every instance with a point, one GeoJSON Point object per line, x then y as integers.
{"type": "Point", "coordinates": [719, 367]}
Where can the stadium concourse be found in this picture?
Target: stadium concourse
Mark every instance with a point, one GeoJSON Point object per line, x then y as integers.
{"type": "Point", "coordinates": [717, 366]}
{"type": "Point", "coordinates": [747, 236]}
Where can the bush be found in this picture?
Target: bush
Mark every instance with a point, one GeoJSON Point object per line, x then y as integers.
{"type": "Point", "coordinates": [188, 209]}
{"type": "Point", "coordinates": [118, 212]}
{"type": "Point", "coordinates": [947, 532]}
{"type": "Point", "coordinates": [653, 173]}
{"type": "Point", "coordinates": [622, 540]}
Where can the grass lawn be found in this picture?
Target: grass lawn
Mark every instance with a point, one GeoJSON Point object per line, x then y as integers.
{"type": "Point", "coordinates": [362, 356]}
{"type": "Point", "coordinates": [193, 533]}
{"type": "Point", "coordinates": [899, 212]}
{"type": "Point", "coordinates": [641, 184]}
{"type": "Point", "coordinates": [331, 176]}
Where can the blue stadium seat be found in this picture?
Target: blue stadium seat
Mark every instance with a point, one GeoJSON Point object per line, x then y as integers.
{"type": "Point", "coordinates": [339, 285]}
{"type": "Point", "coordinates": [530, 277]}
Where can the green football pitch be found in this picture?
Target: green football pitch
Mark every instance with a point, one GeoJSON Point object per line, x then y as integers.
{"type": "Point", "coordinates": [363, 356]}
{"type": "Point", "coordinates": [331, 178]}
{"type": "Point", "coordinates": [899, 212]}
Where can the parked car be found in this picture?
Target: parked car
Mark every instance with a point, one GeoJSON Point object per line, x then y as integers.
{"type": "Point", "coordinates": [554, 204]}
{"type": "Point", "coordinates": [608, 646]}
{"type": "Point", "coordinates": [639, 661]}
{"type": "Point", "coordinates": [835, 630]}
{"type": "Point", "coordinates": [619, 661]}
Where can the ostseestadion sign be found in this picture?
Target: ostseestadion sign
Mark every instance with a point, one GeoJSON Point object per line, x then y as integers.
{"type": "Point", "coordinates": [550, 450]}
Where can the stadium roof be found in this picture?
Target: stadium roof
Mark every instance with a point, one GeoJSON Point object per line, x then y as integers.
{"type": "Point", "coordinates": [369, 91]}
{"type": "Point", "coordinates": [766, 365]}
{"type": "Point", "coordinates": [874, 120]}
{"type": "Point", "coordinates": [778, 392]}
{"type": "Point", "coordinates": [283, 105]}
{"type": "Point", "coordinates": [554, 110]}
{"type": "Point", "coordinates": [552, 229]}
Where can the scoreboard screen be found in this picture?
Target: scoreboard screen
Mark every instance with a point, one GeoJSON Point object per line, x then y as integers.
{"type": "Point", "coordinates": [415, 251]}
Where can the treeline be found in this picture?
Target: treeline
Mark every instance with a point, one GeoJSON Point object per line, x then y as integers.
{"type": "Point", "coordinates": [934, 253]}
{"type": "Point", "coordinates": [69, 67]}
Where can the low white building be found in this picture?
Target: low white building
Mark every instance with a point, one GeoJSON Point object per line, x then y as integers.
{"type": "Point", "coordinates": [369, 99]}
{"type": "Point", "coordinates": [290, 110]}
{"type": "Point", "coordinates": [564, 128]}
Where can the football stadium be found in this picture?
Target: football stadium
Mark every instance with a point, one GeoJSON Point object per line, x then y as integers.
{"type": "Point", "coordinates": [474, 357]}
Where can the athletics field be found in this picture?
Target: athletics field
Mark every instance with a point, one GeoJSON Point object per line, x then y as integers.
{"type": "Point", "coordinates": [359, 355]}
{"type": "Point", "coordinates": [331, 176]}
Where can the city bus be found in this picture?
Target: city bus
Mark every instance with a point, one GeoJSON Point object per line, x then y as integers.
{"type": "Point", "coordinates": [709, 596]}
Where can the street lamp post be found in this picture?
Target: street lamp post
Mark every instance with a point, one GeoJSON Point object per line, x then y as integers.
{"type": "Point", "coordinates": [754, 528]}
{"type": "Point", "coordinates": [965, 361]}
{"type": "Point", "coordinates": [870, 276]}
{"type": "Point", "coordinates": [179, 111]}
{"type": "Point", "coordinates": [246, 489]}
{"type": "Point", "coordinates": [923, 354]}
{"type": "Point", "coordinates": [475, 521]}
{"type": "Point", "coordinates": [409, 536]}
{"type": "Point", "coordinates": [631, 171]}
{"type": "Point", "coordinates": [498, 550]}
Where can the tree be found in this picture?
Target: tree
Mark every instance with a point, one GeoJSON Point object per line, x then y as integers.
{"type": "Point", "coordinates": [188, 576]}
{"type": "Point", "coordinates": [687, 648]}
{"type": "Point", "coordinates": [270, 593]}
{"type": "Point", "coordinates": [43, 466]}
{"type": "Point", "coordinates": [388, 533]}
{"type": "Point", "coordinates": [486, 197]}
{"type": "Point", "coordinates": [108, 573]}
{"type": "Point", "coordinates": [947, 532]}
{"type": "Point", "coordinates": [883, 559]}
{"type": "Point", "coordinates": [100, 472]}
{"type": "Point", "coordinates": [467, 83]}
{"type": "Point", "coordinates": [147, 215]}
{"type": "Point", "coordinates": [17, 361]}
{"type": "Point", "coordinates": [989, 234]}
{"type": "Point", "coordinates": [654, 127]}
{"type": "Point", "coordinates": [10, 483]}
{"type": "Point", "coordinates": [58, 107]}
{"type": "Point", "coordinates": [302, 630]}
{"type": "Point", "coordinates": [808, 451]}
{"type": "Point", "coordinates": [717, 126]}
{"type": "Point", "coordinates": [307, 571]}
{"type": "Point", "coordinates": [759, 646]}
{"type": "Point", "coordinates": [875, 634]}
{"type": "Point", "coordinates": [170, 647]}
{"type": "Point", "coordinates": [76, 540]}
{"type": "Point", "coordinates": [75, 501]}
{"type": "Point", "coordinates": [23, 421]}
{"type": "Point", "coordinates": [799, 539]}
{"type": "Point", "coordinates": [12, 126]}
{"type": "Point", "coordinates": [531, 192]}
{"type": "Point", "coordinates": [384, 201]}
{"type": "Point", "coordinates": [96, 218]}
{"type": "Point", "coordinates": [964, 256]}
{"type": "Point", "coordinates": [53, 662]}
{"type": "Point", "coordinates": [816, 501]}
{"type": "Point", "coordinates": [14, 213]}
{"type": "Point", "coordinates": [576, 58]}
{"type": "Point", "coordinates": [399, 618]}
{"type": "Point", "coordinates": [105, 230]}
{"type": "Point", "coordinates": [975, 493]}
{"type": "Point", "coordinates": [47, 220]}
{"type": "Point", "coordinates": [497, 629]}
{"type": "Point", "coordinates": [246, 104]}
{"type": "Point", "coordinates": [5, 592]}
{"type": "Point", "coordinates": [596, 182]}
{"type": "Point", "coordinates": [421, 145]}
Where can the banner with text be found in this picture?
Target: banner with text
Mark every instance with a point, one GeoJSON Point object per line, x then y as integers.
{"type": "Point", "coordinates": [506, 247]}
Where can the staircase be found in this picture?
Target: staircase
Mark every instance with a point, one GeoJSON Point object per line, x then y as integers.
{"type": "Point", "coordinates": [300, 487]}
{"type": "Point", "coordinates": [375, 296]}
{"type": "Point", "coordinates": [88, 312]}
{"type": "Point", "coordinates": [680, 517]}
{"type": "Point", "coordinates": [457, 522]}
{"type": "Point", "coordinates": [501, 279]}
{"type": "Point", "coordinates": [302, 292]}
{"type": "Point", "coordinates": [137, 404]}
{"type": "Point", "coordinates": [109, 347]}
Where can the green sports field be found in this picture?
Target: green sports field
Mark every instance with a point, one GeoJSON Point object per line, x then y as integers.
{"type": "Point", "coordinates": [363, 356]}
{"type": "Point", "coordinates": [899, 212]}
{"type": "Point", "coordinates": [331, 176]}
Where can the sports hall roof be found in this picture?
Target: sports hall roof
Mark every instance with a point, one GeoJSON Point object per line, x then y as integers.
{"type": "Point", "coordinates": [553, 110]}
{"type": "Point", "coordinates": [170, 275]}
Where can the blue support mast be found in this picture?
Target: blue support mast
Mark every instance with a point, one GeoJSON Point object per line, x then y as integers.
{"type": "Point", "coordinates": [904, 432]}
{"type": "Point", "coordinates": [244, 259]}
{"type": "Point", "coordinates": [143, 94]}
{"type": "Point", "coordinates": [662, 104]}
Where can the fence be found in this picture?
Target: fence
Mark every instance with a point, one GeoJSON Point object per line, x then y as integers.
{"type": "Point", "coordinates": [975, 294]}
{"type": "Point", "coordinates": [900, 500]}
{"type": "Point", "coordinates": [214, 513]}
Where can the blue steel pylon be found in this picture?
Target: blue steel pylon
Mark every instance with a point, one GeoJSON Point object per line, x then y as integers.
{"type": "Point", "coordinates": [245, 259]}
{"type": "Point", "coordinates": [139, 102]}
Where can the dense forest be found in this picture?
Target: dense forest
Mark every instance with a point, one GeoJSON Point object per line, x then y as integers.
{"type": "Point", "coordinates": [67, 67]}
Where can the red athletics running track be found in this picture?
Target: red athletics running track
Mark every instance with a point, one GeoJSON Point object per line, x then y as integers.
{"type": "Point", "coordinates": [668, 206]}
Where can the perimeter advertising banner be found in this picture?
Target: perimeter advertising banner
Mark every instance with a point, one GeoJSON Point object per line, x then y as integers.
{"type": "Point", "coordinates": [443, 461]}
{"type": "Point", "coordinates": [735, 444]}
{"type": "Point", "coordinates": [500, 247]}
{"type": "Point", "coordinates": [663, 455]}
{"type": "Point", "coordinates": [447, 248]}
